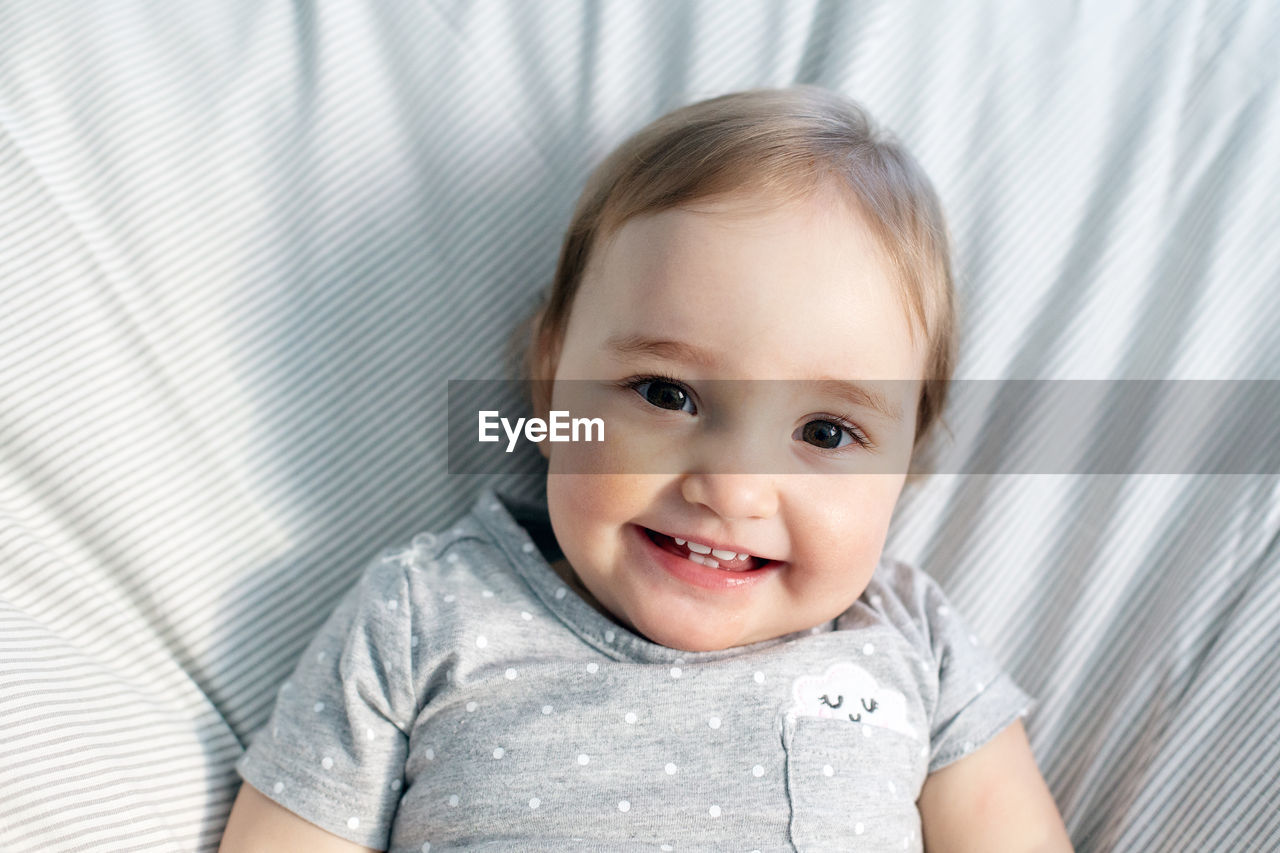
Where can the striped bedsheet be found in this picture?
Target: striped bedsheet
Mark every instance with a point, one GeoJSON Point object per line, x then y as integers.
{"type": "Point", "coordinates": [245, 245]}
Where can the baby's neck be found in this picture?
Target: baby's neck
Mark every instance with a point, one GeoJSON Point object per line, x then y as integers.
{"type": "Point", "coordinates": [570, 577]}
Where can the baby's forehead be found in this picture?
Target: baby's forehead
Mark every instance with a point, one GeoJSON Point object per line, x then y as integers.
{"type": "Point", "coordinates": [761, 292]}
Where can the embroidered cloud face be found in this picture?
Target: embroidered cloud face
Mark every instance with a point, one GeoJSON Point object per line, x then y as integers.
{"type": "Point", "coordinates": [846, 691]}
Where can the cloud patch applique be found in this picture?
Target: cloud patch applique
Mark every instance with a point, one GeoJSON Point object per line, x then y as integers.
{"type": "Point", "coordinates": [846, 691]}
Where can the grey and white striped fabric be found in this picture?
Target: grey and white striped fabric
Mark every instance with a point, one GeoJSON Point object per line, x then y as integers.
{"type": "Point", "coordinates": [244, 245]}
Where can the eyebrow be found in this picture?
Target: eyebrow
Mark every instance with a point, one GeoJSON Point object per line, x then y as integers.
{"type": "Point", "coordinates": [659, 348]}
{"type": "Point", "coordinates": [851, 392]}
{"type": "Point", "coordinates": [862, 397]}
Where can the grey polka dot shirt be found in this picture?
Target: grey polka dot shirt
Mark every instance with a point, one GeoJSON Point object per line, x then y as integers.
{"type": "Point", "coordinates": [461, 696]}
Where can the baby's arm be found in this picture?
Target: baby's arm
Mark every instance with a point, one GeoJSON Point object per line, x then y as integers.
{"type": "Point", "coordinates": [992, 799]}
{"type": "Point", "coordinates": [258, 823]}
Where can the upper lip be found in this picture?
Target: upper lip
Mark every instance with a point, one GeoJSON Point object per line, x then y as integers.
{"type": "Point", "coordinates": [719, 544]}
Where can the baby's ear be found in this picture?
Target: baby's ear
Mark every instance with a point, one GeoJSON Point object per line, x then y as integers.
{"type": "Point", "coordinates": [541, 368]}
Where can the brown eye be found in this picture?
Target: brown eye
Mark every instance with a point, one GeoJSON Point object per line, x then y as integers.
{"type": "Point", "coordinates": [664, 395]}
{"type": "Point", "coordinates": [828, 434]}
{"type": "Point", "coordinates": [823, 434]}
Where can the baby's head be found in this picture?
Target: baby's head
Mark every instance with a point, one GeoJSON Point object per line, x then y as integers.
{"type": "Point", "coordinates": [770, 234]}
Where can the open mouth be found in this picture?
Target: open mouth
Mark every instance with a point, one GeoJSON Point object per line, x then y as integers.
{"type": "Point", "coordinates": [704, 555]}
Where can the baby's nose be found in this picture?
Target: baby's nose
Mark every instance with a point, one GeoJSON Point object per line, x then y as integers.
{"type": "Point", "coordinates": [732, 495]}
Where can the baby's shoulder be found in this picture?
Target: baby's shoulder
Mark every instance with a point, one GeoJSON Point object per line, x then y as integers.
{"type": "Point", "coordinates": [904, 599]}
{"type": "Point", "coordinates": [456, 574]}
{"type": "Point", "coordinates": [899, 593]}
{"type": "Point", "coordinates": [461, 547]}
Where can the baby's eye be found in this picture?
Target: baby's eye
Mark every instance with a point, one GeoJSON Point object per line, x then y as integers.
{"type": "Point", "coordinates": [664, 394]}
{"type": "Point", "coordinates": [830, 435]}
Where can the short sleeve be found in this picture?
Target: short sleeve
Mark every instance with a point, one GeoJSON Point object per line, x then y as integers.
{"type": "Point", "coordinates": [334, 749]}
{"type": "Point", "coordinates": [976, 698]}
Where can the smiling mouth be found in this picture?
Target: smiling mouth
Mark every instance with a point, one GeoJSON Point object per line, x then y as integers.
{"type": "Point", "coordinates": [736, 564]}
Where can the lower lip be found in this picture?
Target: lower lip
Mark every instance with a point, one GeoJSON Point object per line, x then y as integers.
{"type": "Point", "coordinates": [698, 575]}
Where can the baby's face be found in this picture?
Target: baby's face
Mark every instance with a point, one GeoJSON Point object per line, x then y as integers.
{"type": "Point", "coordinates": [795, 292]}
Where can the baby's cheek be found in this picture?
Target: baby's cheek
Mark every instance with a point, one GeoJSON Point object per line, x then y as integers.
{"type": "Point", "coordinates": [627, 450]}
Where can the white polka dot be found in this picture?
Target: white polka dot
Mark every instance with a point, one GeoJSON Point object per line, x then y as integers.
{"type": "Point", "coordinates": [667, 847]}
{"type": "Point", "coordinates": [968, 746]}
{"type": "Point", "coordinates": [413, 641]}
{"type": "Point", "coordinates": [973, 639]}
{"type": "Point", "coordinates": [278, 787]}
{"type": "Point", "coordinates": [675, 672]}
{"type": "Point", "coordinates": [868, 649]}
{"type": "Point", "coordinates": [906, 842]}
{"type": "Point", "coordinates": [453, 799]}
{"type": "Point", "coordinates": [452, 558]}
{"type": "Point", "coordinates": [327, 763]}
{"type": "Point", "coordinates": [318, 707]}
{"type": "Point", "coordinates": [482, 641]}
{"type": "Point", "coordinates": [828, 770]}
{"type": "Point", "coordinates": [630, 718]}
{"type": "Point", "coordinates": [714, 722]}
{"type": "Point", "coordinates": [924, 752]}
{"type": "Point", "coordinates": [757, 771]}
{"type": "Point", "coordinates": [392, 604]}
{"type": "Point", "coordinates": [866, 731]}
{"type": "Point", "coordinates": [431, 754]}
{"type": "Point", "coordinates": [286, 686]}
{"type": "Point", "coordinates": [546, 709]}
{"type": "Point", "coordinates": [624, 806]}
{"type": "Point", "coordinates": [511, 674]}
{"type": "Point", "coordinates": [609, 636]}
{"type": "Point", "coordinates": [320, 657]}
{"type": "Point", "coordinates": [714, 811]}
{"type": "Point", "coordinates": [499, 752]}
{"type": "Point", "coordinates": [426, 847]}
{"type": "Point", "coordinates": [395, 784]}
{"type": "Point", "coordinates": [944, 610]}
{"type": "Point", "coordinates": [353, 823]}
{"type": "Point", "coordinates": [893, 789]}
{"type": "Point", "coordinates": [471, 706]}
{"type": "Point", "coordinates": [534, 803]}
{"type": "Point", "coordinates": [528, 549]}
{"type": "Point", "coordinates": [858, 829]}
{"type": "Point", "coordinates": [877, 601]}
{"type": "Point", "coordinates": [368, 734]}
{"type": "Point", "coordinates": [981, 687]}
{"type": "Point", "coordinates": [584, 759]}
{"type": "Point", "coordinates": [561, 593]}
{"type": "Point", "coordinates": [450, 598]}
{"type": "Point", "coordinates": [758, 677]}
{"type": "Point", "coordinates": [488, 593]}
{"type": "Point", "coordinates": [671, 769]}
{"type": "Point", "coordinates": [593, 668]}
{"type": "Point", "coordinates": [526, 615]}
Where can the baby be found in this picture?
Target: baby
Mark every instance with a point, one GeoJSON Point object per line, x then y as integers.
{"type": "Point", "coordinates": [696, 643]}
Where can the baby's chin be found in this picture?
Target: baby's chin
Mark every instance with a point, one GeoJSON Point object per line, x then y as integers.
{"type": "Point", "coordinates": [698, 637]}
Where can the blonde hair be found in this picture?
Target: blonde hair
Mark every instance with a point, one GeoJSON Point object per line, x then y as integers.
{"type": "Point", "coordinates": [783, 142]}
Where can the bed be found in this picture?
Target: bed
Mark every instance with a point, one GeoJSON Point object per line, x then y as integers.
{"type": "Point", "coordinates": [244, 246]}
